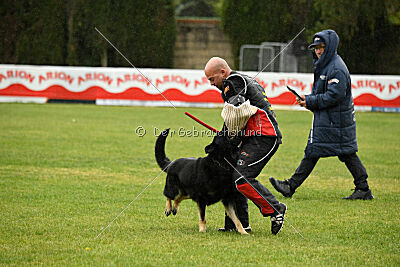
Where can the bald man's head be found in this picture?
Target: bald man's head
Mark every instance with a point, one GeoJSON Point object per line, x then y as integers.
{"type": "Point", "coordinates": [216, 70]}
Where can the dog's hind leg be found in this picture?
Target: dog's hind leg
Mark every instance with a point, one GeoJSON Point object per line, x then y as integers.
{"type": "Point", "coordinates": [168, 207]}
{"type": "Point", "coordinates": [202, 217]}
{"type": "Point", "coordinates": [171, 191]}
{"type": "Point", "coordinates": [230, 210]}
{"type": "Point", "coordinates": [178, 199]}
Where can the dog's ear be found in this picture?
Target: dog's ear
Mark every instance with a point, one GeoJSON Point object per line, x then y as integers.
{"type": "Point", "coordinates": [213, 146]}
{"type": "Point", "coordinates": [219, 143]}
{"type": "Point", "coordinates": [210, 148]}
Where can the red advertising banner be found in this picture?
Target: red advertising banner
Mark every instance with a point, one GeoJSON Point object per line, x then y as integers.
{"type": "Point", "coordinates": [126, 86]}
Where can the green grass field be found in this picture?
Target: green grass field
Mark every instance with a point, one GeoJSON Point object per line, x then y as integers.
{"type": "Point", "coordinates": [66, 171]}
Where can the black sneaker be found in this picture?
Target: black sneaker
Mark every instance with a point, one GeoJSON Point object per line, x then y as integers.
{"type": "Point", "coordinates": [282, 187]}
{"type": "Point", "coordinates": [247, 229]}
{"type": "Point", "coordinates": [278, 219]}
{"type": "Point", "coordinates": [360, 194]}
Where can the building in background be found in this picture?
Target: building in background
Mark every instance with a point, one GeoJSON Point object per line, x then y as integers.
{"type": "Point", "coordinates": [197, 40]}
{"type": "Point", "coordinates": [198, 35]}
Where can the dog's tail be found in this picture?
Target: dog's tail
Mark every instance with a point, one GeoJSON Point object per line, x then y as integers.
{"type": "Point", "coordinates": [161, 158]}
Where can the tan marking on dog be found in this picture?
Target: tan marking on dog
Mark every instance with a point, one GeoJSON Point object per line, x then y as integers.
{"type": "Point", "coordinates": [230, 211]}
{"type": "Point", "coordinates": [178, 199]}
{"type": "Point", "coordinates": [202, 224]}
{"type": "Point", "coordinates": [168, 206]}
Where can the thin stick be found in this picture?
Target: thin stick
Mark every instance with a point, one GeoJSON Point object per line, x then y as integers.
{"type": "Point", "coordinates": [270, 62]}
{"type": "Point", "coordinates": [105, 38]}
{"type": "Point", "coordinates": [201, 122]}
{"type": "Point", "coordinates": [132, 201]}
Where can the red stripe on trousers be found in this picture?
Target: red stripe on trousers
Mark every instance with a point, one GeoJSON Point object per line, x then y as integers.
{"type": "Point", "coordinates": [247, 190]}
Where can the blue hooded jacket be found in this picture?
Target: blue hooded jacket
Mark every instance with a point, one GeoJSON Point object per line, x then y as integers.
{"type": "Point", "coordinates": [333, 131]}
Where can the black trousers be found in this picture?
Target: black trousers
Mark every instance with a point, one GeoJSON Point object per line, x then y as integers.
{"type": "Point", "coordinates": [353, 164]}
{"type": "Point", "coordinates": [255, 154]}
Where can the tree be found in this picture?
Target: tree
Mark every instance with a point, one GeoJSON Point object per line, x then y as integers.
{"type": "Point", "coordinates": [253, 22]}
{"type": "Point", "coordinates": [369, 30]}
{"type": "Point", "coordinates": [144, 31]}
{"type": "Point", "coordinates": [34, 37]}
{"type": "Point", "coordinates": [8, 31]}
{"type": "Point", "coordinates": [54, 32]}
{"type": "Point", "coordinates": [369, 36]}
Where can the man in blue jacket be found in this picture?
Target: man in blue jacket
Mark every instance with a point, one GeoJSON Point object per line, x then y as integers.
{"type": "Point", "coordinates": [333, 131]}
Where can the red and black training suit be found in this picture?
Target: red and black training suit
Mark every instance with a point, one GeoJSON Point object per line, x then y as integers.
{"type": "Point", "coordinates": [261, 140]}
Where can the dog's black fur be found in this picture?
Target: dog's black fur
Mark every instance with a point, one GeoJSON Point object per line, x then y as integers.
{"type": "Point", "coordinates": [204, 180]}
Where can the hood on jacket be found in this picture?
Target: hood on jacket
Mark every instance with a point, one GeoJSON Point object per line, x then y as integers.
{"type": "Point", "coordinates": [331, 40]}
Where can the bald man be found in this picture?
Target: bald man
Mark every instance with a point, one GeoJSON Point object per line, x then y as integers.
{"type": "Point", "coordinates": [260, 140]}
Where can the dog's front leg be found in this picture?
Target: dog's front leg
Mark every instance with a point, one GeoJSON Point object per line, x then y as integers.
{"type": "Point", "coordinates": [202, 217]}
{"type": "Point", "coordinates": [232, 214]}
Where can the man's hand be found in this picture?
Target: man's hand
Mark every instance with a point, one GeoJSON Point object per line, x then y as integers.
{"type": "Point", "coordinates": [302, 103]}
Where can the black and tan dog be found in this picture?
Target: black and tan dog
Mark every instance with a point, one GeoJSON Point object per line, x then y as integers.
{"type": "Point", "coordinates": [204, 180]}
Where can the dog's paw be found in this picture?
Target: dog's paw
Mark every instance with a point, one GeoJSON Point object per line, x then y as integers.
{"type": "Point", "coordinates": [174, 211]}
{"type": "Point", "coordinates": [167, 213]}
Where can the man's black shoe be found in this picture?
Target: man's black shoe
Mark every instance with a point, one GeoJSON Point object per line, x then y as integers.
{"type": "Point", "coordinates": [247, 229]}
{"type": "Point", "coordinates": [278, 219]}
{"type": "Point", "coordinates": [282, 187]}
{"type": "Point", "coordinates": [360, 194]}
